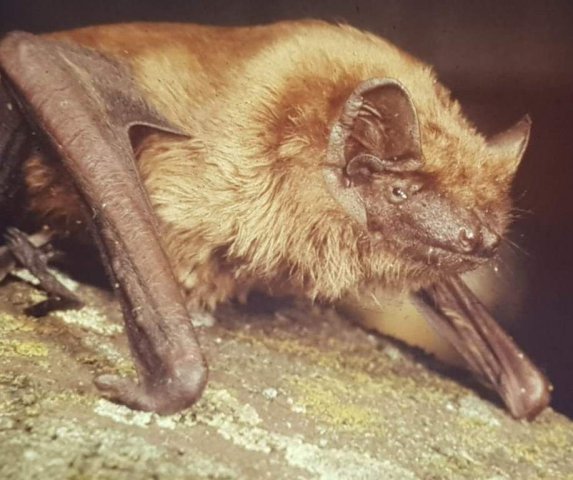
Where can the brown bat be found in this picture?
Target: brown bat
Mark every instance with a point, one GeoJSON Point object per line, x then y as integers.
{"type": "Point", "coordinates": [301, 157]}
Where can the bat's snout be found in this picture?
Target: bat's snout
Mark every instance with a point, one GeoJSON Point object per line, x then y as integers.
{"type": "Point", "coordinates": [453, 233]}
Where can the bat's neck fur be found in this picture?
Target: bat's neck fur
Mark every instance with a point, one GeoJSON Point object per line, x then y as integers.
{"type": "Point", "coordinates": [243, 203]}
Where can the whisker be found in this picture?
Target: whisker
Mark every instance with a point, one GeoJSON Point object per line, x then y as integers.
{"type": "Point", "coordinates": [515, 246]}
{"type": "Point", "coordinates": [521, 196]}
{"type": "Point", "coordinates": [515, 216]}
{"type": "Point", "coordinates": [522, 210]}
{"type": "Point", "coordinates": [519, 213]}
{"type": "Point", "coordinates": [512, 244]}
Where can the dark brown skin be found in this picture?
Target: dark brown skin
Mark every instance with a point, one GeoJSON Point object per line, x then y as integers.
{"type": "Point", "coordinates": [86, 104]}
{"type": "Point", "coordinates": [459, 316]}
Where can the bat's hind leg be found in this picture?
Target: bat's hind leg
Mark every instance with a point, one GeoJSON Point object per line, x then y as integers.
{"type": "Point", "coordinates": [7, 262]}
{"type": "Point", "coordinates": [19, 248]}
{"type": "Point", "coordinates": [31, 253]}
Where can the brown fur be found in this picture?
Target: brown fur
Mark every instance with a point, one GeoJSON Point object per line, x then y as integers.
{"type": "Point", "coordinates": [242, 204]}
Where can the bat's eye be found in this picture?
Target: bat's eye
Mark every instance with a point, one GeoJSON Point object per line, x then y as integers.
{"type": "Point", "coordinates": [398, 195]}
{"type": "Point", "coordinates": [402, 189]}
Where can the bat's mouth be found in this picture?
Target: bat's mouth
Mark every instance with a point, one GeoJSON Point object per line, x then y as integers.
{"type": "Point", "coordinates": [451, 261]}
{"type": "Point", "coordinates": [443, 259]}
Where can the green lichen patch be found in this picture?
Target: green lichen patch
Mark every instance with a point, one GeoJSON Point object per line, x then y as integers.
{"type": "Point", "coordinates": [332, 401]}
{"type": "Point", "coordinates": [23, 349]}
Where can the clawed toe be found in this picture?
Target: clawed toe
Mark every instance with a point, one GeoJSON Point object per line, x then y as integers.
{"type": "Point", "coordinates": [7, 262]}
{"type": "Point", "coordinates": [29, 252]}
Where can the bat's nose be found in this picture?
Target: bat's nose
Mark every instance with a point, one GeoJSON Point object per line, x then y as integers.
{"type": "Point", "coordinates": [478, 241]}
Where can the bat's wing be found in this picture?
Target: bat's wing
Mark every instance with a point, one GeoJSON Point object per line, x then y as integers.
{"type": "Point", "coordinates": [456, 313]}
{"type": "Point", "coordinates": [14, 134]}
{"type": "Point", "coordinates": [85, 104]}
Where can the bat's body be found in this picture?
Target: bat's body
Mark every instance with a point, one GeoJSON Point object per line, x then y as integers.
{"type": "Point", "coordinates": [308, 159]}
{"type": "Point", "coordinates": [242, 201]}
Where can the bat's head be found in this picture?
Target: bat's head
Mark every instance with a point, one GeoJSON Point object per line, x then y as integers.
{"type": "Point", "coordinates": [433, 199]}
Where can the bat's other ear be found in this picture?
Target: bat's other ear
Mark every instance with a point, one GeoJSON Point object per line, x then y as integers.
{"type": "Point", "coordinates": [509, 146]}
{"type": "Point", "coordinates": [377, 131]}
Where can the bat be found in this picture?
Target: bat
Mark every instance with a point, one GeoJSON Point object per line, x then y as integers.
{"type": "Point", "coordinates": [298, 158]}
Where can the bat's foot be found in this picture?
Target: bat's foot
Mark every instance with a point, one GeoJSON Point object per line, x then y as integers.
{"type": "Point", "coordinates": [164, 395]}
{"type": "Point", "coordinates": [29, 253]}
{"type": "Point", "coordinates": [7, 262]}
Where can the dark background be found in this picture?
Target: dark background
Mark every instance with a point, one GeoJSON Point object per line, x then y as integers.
{"type": "Point", "coordinates": [501, 59]}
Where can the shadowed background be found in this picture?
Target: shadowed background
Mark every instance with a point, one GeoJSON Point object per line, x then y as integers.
{"type": "Point", "coordinates": [501, 59]}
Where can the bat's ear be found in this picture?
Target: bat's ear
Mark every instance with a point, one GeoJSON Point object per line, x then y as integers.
{"type": "Point", "coordinates": [377, 130]}
{"type": "Point", "coordinates": [509, 146]}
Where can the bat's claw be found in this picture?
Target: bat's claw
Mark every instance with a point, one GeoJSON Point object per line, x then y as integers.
{"type": "Point", "coordinates": [7, 263]}
{"type": "Point", "coordinates": [165, 395]}
{"type": "Point", "coordinates": [32, 253]}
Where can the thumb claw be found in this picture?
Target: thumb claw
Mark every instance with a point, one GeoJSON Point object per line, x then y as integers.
{"type": "Point", "coordinates": [124, 391]}
{"type": "Point", "coordinates": [167, 396]}
{"type": "Point", "coordinates": [109, 382]}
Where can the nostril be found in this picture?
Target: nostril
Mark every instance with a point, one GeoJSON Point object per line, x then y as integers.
{"type": "Point", "coordinates": [468, 240]}
{"type": "Point", "coordinates": [483, 242]}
